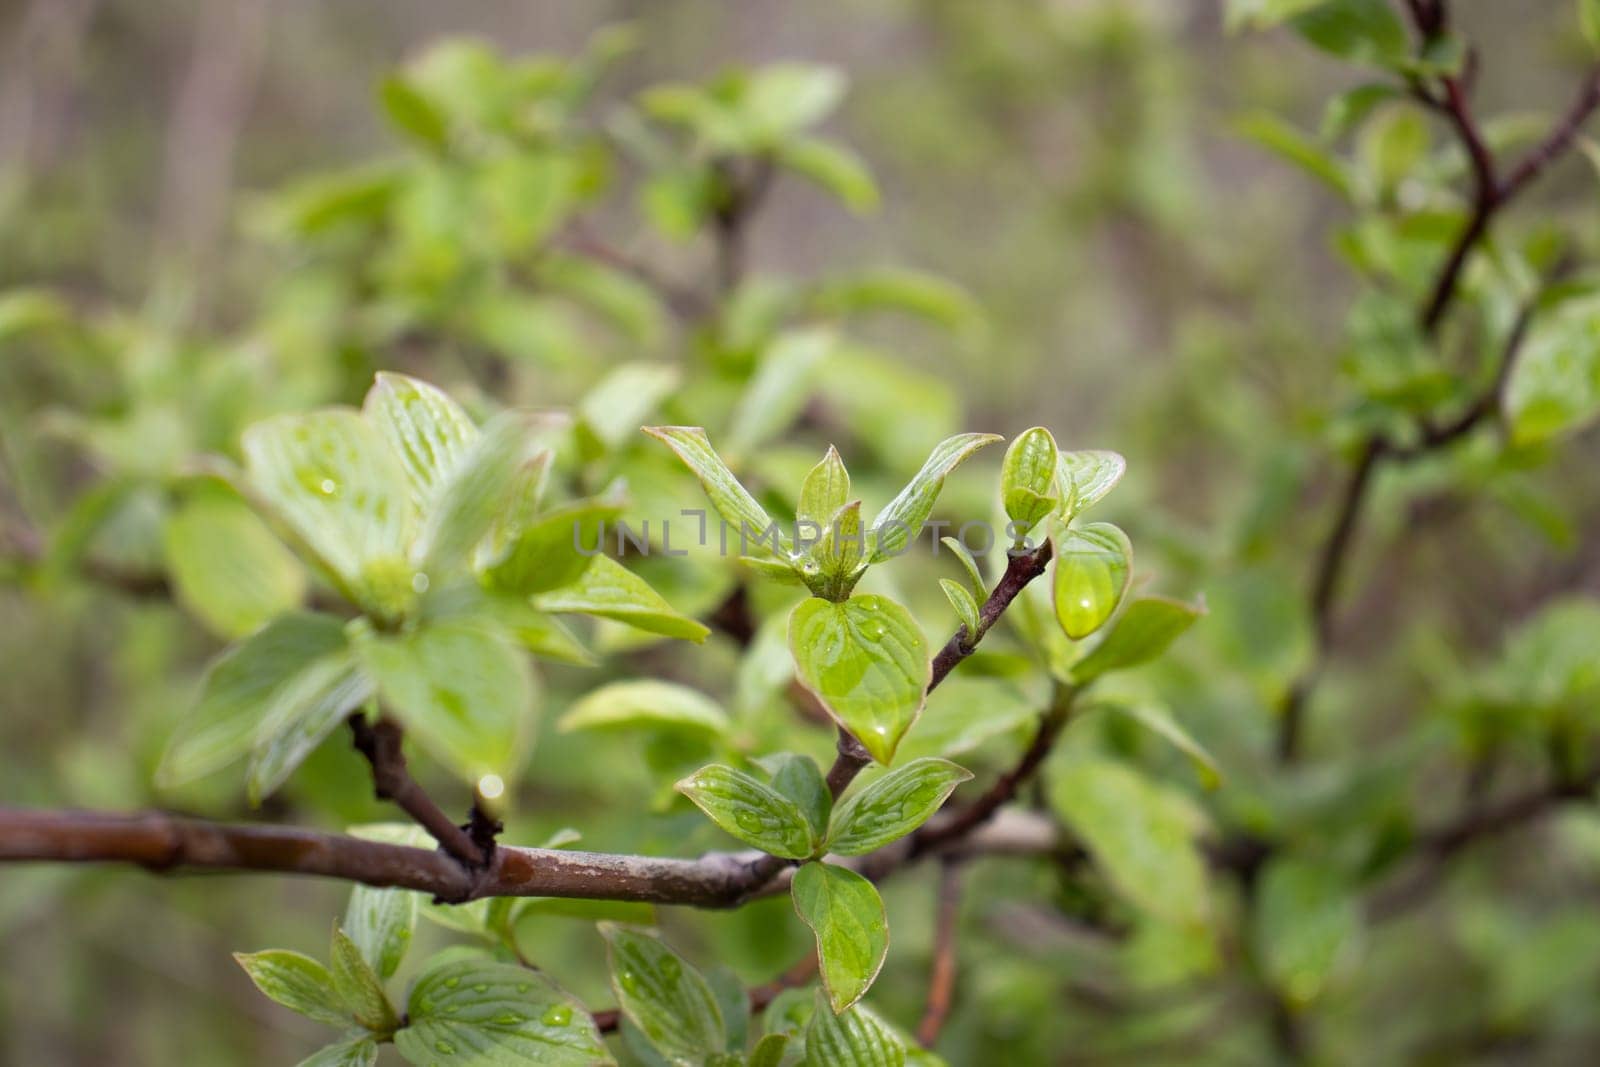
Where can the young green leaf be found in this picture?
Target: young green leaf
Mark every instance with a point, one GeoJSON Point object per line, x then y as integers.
{"type": "Point", "coordinates": [846, 914]}
{"type": "Point", "coordinates": [893, 806]}
{"type": "Point", "coordinates": [927, 296]}
{"type": "Point", "coordinates": [339, 490]}
{"type": "Point", "coordinates": [867, 661]}
{"type": "Point", "coordinates": [462, 690]}
{"type": "Point", "coordinates": [799, 779]}
{"type": "Point", "coordinates": [969, 565]}
{"type": "Point", "coordinates": [966, 607]}
{"type": "Point", "coordinates": [466, 507]}
{"type": "Point", "coordinates": [853, 1038]}
{"type": "Point", "coordinates": [664, 996]}
{"type": "Point", "coordinates": [1141, 833]}
{"type": "Point", "coordinates": [311, 704]}
{"type": "Point", "coordinates": [1554, 386]}
{"type": "Point", "coordinates": [611, 591]}
{"type": "Point", "coordinates": [1086, 477]}
{"type": "Point", "coordinates": [474, 1013]}
{"type": "Point", "coordinates": [769, 1051]}
{"type": "Point", "coordinates": [751, 810]}
{"type": "Point", "coordinates": [381, 923]}
{"type": "Point", "coordinates": [424, 427]}
{"type": "Point", "coordinates": [1139, 634]}
{"type": "Point", "coordinates": [898, 524]}
{"type": "Point", "coordinates": [360, 986]}
{"type": "Point", "coordinates": [825, 490]}
{"type": "Point", "coordinates": [554, 549]}
{"type": "Point", "coordinates": [784, 98]}
{"type": "Point", "coordinates": [835, 168]}
{"type": "Point", "coordinates": [356, 1052]}
{"type": "Point", "coordinates": [1161, 723]}
{"type": "Point", "coordinates": [1028, 483]}
{"type": "Point", "coordinates": [414, 113]}
{"type": "Point", "coordinates": [646, 703]}
{"type": "Point", "coordinates": [1092, 569]}
{"type": "Point", "coordinates": [730, 498]}
{"type": "Point", "coordinates": [241, 688]}
{"type": "Point", "coordinates": [838, 553]}
{"type": "Point", "coordinates": [226, 566]}
{"type": "Point", "coordinates": [1361, 30]}
{"type": "Point", "coordinates": [297, 982]}
{"type": "Point", "coordinates": [625, 397]}
{"type": "Point", "coordinates": [1305, 921]}
{"type": "Point", "coordinates": [779, 390]}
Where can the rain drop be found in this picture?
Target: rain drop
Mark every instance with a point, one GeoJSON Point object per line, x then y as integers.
{"type": "Point", "coordinates": [419, 583]}
{"type": "Point", "coordinates": [557, 1015]}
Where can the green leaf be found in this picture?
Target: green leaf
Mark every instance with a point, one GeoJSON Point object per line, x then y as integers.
{"type": "Point", "coordinates": [898, 524]}
{"type": "Point", "coordinates": [838, 554]}
{"type": "Point", "coordinates": [1289, 144]}
{"type": "Point", "coordinates": [462, 690]}
{"type": "Point", "coordinates": [360, 986]}
{"type": "Point", "coordinates": [966, 607]}
{"type": "Point", "coordinates": [1160, 722]}
{"type": "Point", "coordinates": [834, 168]}
{"type": "Point", "coordinates": [769, 1051]}
{"type": "Point", "coordinates": [927, 296]}
{"type": "Point", "coordinates": [825, 490]}
{"type": "Point", "coordinates": [625, 301]}
{"type": "Point", "coordinates": [480, 490]}
{"type": "Point", "coordinates": [1304, 921]}
{"type": "Point", "coordinates": [893, 806]}
{"type": "Point", "coordinates": [1140, 833]}
{"type": "Point", "coordinates": [1360, 30]}
{"type": "Point", "coordinates": [787, 97]}
{"type": "Point", "coordinates": [1554, 386]}
{"type": "Point", "coordinates": [624, 398]}
{"type": "Point", "coordinates": [240, 690]}
{"type": "Point", "coordinates": [799, 779]}
{"type": "Point", "coordinates": [1589, 21]}
{"type": "Point", "coordinates": [969, 565]}
{"type": "Point", "coordinates": [414, 113]}
{"type": "Point", "coordinates": [297, 982]}
{"type": "Point", "coordinates": [1264, 14]}
{"type": "Point", "coordinates": [611, 591]}
{"type": "Point", "coordinates": [664, 996]}
{"type": "Point", "coordinates": [846, 914]}
{"type": "Point", "coordinates": [554, 549]}
{"type": "Point", "coordinates": [1139, 634]}
{"type": "Point", "coordinates": [338, 489]}
{"type": "Point", "coordinates": [751, 810]}
{"type": "Point", "coordinates": [730, 498]}
{"type": "Point", "coordinates": [779, 389]}
{"type": "Point", "coordinates": [646, 703]}
{"type": "Point", "coordinates": [474, 1013]}
{"type": "Point", "coordinates": [853, 1038]}
{"type": "Point", "coordinates": [227, 567]}
{"type": "Point", "coordinates": [24, 311]}
{"type": "Point", "coordinates": [1346, 111]}
{"type": "Point", "coordinates": [381, 923]}
{"type": "Point", "coordinates": [356, 1052]}
{"type": "Point", "coordinates": [543, 635]}
{"type": "Point", "coordinates": [427, 429]}
{"type": "Point", "coordinates": [1028, 482]}
{"type": "Point", "coordinates": [312, 703]}
{"type": "Point", "coordinates": [867, 661]}
{"type": "Point", "coordinates": [1092, 569]}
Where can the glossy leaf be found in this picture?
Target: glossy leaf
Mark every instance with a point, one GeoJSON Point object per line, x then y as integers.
{"type": "Point", "coordinates": [1141, 834]}
{"type": "Point", "coordinates": [853, 1038]}
{"type": "Point", "coordinates": [467, 506]}
{"type": "Point", "coordinates": [839, 552]}
{"type": "Point", "coordinates": [646, 703]}
{"type": "Point", "coordinates": [240, 690]}
{"type": "Point", "coordinates": [356, 1052]}
{"type": "Point", "coordinates": [1141, 633]}
{"type": "Point", "coordinates": [893, 805]}
{"type": "Point", "coordinates": [1086, 477]}
{"type": "Point", "coordinates": [427, 429]}
{"type": "Point", "coordinates": [731, 499]}
{"type": "Point", "coordinates": [825, 490]}
{"type": "Point", "coordinates": [867, 661]}
{"type": "Point", "coordinates": [474, 1013]}
{"type": "Point", "coordinates": [1028, 482]}
{"type": "Point", "coordinates": [968, 565]}
{"type": "Point", "coordinates": [381, 923]}
{"type": "Point", "coordinates": [555, 548]}
{"type": "Point", "coordinates": [611, 591]}
{"type": "Point", "coordinates": [799, 779]}
{"type": "Point", "coordinates": [227, 567]}
{"type": "Point", "coordinates": [462, 690]}
{"type": "Point", "coordinates": [1092, 569]}
{"type": "Point", "coordinates": [296, 981]}
{"type": "Point", "coordinates": [901, 520]}
{"type": "Point", "coordinates": [664, 996]}
{"type": "Point", "coordinates": [751, 810]}
{"type": "Point", "coordinates": [846, 914]}
{"type": "Point", "coordinates": [961, 600]}
{"type": "Point", "coordinates": [360, 987]}
{"type": "Point", "coordinates": [312, 703]}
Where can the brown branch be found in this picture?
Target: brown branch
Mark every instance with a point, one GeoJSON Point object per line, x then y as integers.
{"type": "Point", "coordinates": [382, 744]}
{"type": "Point", "coordinates": [743, 189]}
{"type": "Point", "coordinates": [942, 975]}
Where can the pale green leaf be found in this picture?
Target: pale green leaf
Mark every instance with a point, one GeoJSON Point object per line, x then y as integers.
{"type": "Point", "coordinates": [927, 296]}
{"type": "Point", "coordinates": [1028, 482]}
{"type": "Point", "coordinates": [846, 914]}
{"type": "Point", "coordinates": [1554, 386]}
{"type": "Point", "coordinates": [962, 600]}
{"type": "Point", "coordinates": [1086, 477]}
{"type": "Point", "coordinates": [241, 688]}
{"type": "Point", "coordinates": [968, 564]}
{"type": "Point", "coordinates": [479, 492]}
{"type": "Point", "coordinates": [381, 923]}
{"type": "Point", "coordinates": [1305, 919]}
{"type": "Point", "coordinates": [611, 591]}
{"type": "Point", "coordinates": [311, 704]}
{"type": "Point", "coordinates": [555, 548]}
{"type": "Point", "coordinates": [730, 498]}
{"type": "Point", "coordinates": [614, 409]}
{"type": "Point", "coordinates": [664, 996]}
{"type": "Point", "coordinates": [646, 703]}
{"type": "Point", "coordinates": [751, 810]}
{"type": "Point", "coordinates": [893, 806]}
{"type": "Point", "coordinates": [784, 98]}
{"type": "Point", "coordinates": [360, 987]}
{"type": "Point", "coordinates": [852, 1038]}
{"type": "Point", "coordinates": [356, 1052]}
{"type": "Point", "coordinates": [1092, 569]}
{"type": "Point", "coordinates": [296, 981]}
{"type": "Point", "coordinates": [1141, 633]}
{"type": "Point", "coordinates": [825, 490]}
{"type": "Point", "coordinates": [834, 168]}
{"type": "Point", "coordinates": [462, 690]}
{"type": "Point", "coordinates": [474, 1013]}
{"type": "Point", "coordinates": [898, 524]}
{"type": "Point", "coordinates": [227, 567]}
{"type": "Point", "coordinates": [769, 1051]}
{"type": "Point", "coordinates": [1293, 146]}
{"type": "Point", "coordinates": [427, 429]}
{"type": "Point", "coordinates": [414, 113]}
{"type": "Point", "coordinates": [778, 391]}
{"type": "Point", "coordinates": [1140, 833]}
{"type": "Point", "coordinates": [867, 661]}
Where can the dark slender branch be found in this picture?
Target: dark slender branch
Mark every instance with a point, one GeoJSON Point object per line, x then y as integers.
{"type": "Point", "coordinates": [942, 974]}
{"type": "Point", "coordinates": [681, 300]}
{"type": "Point", "coordinates": [743, 189]}
{"type": "Point", "coordinates": [381, 743]}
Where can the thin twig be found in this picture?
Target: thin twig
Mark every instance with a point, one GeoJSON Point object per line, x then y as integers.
{"type": "Point", "coordinates": [942, 974]}
{"type": "Point", "coordinates": [382, 744]}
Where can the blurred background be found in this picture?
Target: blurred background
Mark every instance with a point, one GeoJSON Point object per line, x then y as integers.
{"type": "Point", "coordinates": [1149, 280]}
